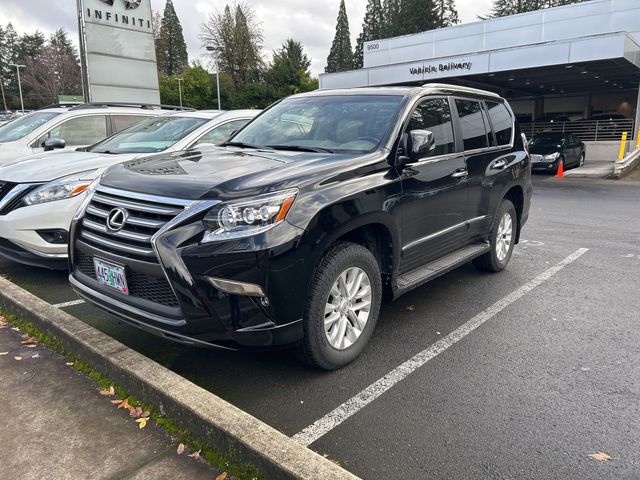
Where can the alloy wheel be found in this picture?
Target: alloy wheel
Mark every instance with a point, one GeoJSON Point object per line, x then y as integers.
{"type": "Point", "coordinates": [504, 237]}
{"type": "Point", "coordinates": [347, 309]}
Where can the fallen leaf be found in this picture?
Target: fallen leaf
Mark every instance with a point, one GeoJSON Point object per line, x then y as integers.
{"type": "Point", "coordinates": [29, 340]}
{"type": "Point", "coordinates": [135, 412]}
{"type": "Point", "coordinates": [180, 449]}
{"type": "Point", "coordinates": [410, 308]}
{"type": "Point", "coordinates": [35, 355]}
{"type": "Point", "coordinates": [600, 457]}
{"type": "Point", "coordinates": [116, 401]}
{"type": "Point", "coordinates": [145, 414]}
{"type": "Point", "coordinates": [15, 329]}
{"type": "Point", "coordinates": [124, 404]}
{"type": "Point", "coordinates": [104, 392]}
{"type": "Point", "coordinates": [31, 345]}
{"type": "Point", "coordinates": [69, 364]}
{"type": "Point", "coordinates": [112, 391]}
{"type": "Point", "coordinates": [222, 476]}
{"type": "Point", "coordinates": [17, 357]}
{"type": "Point", "coordinates": [4, 353]}
{"type": "Point", "coordinates": [142, 422]}
{"type": "Point", "coordinates": [195, 455]}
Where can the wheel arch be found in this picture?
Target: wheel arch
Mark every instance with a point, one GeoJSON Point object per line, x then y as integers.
{"type": "Point", "coordinates": [515, 194]}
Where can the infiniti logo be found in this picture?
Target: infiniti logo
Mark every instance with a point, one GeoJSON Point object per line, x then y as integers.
{"type": "Point", "coordinates": [117, 219]}
{"type": "Point", "coordinates": [128, 4]}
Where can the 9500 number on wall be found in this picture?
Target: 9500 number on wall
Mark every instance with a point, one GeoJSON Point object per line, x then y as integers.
{"type": "Point", "coordinates": [373, 46]}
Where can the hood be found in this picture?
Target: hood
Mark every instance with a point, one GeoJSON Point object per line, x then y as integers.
{"type": "Point", "coordinates": [224, 173]}
{"type": "Point", "coordinates": [544, 149]}
{"type": "Point", "coordinates": [11, 150]}
{"type": "Point", "coordinates": [47, 166]}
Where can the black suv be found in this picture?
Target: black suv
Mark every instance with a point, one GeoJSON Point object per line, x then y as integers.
{"type": "Point", "coordinates": [319, 209]}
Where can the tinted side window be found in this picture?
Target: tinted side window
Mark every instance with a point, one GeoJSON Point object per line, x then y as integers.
{"type": "Point", "coordinates": [474, 130]}
{"type": "Point", "coordinates": [434, 115]}
{"type": "Point", "coordinates": [222, 132]}
{"type": "Point", "coordinates": [120, 122]}
{"type": "Point", "coordinates": [501, 121]}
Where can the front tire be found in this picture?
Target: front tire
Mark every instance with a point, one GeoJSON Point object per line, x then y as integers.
{"type": "Point", "coordinates": [342, 306]}
{"type": "Point", "coordinates": [501, 240]}
{"type": "Point", "coordinates": [581, 161]}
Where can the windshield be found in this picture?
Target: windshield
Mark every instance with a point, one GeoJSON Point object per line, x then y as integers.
{"type": "Point", "coordinates": [338, 123]}
{"type": "Point", "coordinates": [547, 139]}
{"type": "Point", "coordinates": [23, 126]}
{"type": "Point", "coordinates": [151, 135]}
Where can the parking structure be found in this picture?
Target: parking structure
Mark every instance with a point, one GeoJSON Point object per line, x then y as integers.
{"type": "Point", "coordinates": [518, 374]}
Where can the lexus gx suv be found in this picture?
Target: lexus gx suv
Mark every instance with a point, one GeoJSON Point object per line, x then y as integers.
{"type": "Point", "coordinates": [295, 231]}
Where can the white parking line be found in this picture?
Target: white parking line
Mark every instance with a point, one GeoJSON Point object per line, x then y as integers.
{"type": "Point", "coordinates": [331, 420]}
{"type": "Point", "coordinates": [68, 304]}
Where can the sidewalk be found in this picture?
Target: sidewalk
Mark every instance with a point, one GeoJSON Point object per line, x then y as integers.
{"type": "Point", "coordinates": [592, 169]}
{"type": "Point", "coordinates": [55, 424]}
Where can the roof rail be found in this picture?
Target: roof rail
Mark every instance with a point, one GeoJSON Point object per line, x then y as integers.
{"type": "Point", "coordinates": [61, 105]}
{"type": "Point", "coordinates": [447, 86]}
{"type": "Point", "coordinates": [144, 106]}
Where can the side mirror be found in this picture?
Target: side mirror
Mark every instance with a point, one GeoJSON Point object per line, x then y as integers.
{"type": "Point", "coordinates": [53, 143]}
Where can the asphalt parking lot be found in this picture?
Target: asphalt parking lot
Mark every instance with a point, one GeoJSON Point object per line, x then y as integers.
{"type": "Point", "coordinates": [521, 374]}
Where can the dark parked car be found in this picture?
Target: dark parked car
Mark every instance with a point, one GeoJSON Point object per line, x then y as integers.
{"type": "Point", "coordinates": [548, 150]}
{"type": "Point", "coordinates": [315, 212]}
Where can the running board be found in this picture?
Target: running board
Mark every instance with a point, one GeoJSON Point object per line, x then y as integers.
{"type": "Point", "coordinates": [441, 266]}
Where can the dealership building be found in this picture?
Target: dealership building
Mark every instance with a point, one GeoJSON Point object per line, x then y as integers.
{"type": "Point", "coordinates": [575, 67]}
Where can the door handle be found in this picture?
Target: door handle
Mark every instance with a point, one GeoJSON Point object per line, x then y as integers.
{"type": "Point", "coordinates": [499, 164]}
{"type": "Point", "coordinates": [460, 174]}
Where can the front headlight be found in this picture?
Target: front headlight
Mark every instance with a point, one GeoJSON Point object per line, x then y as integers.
{"type": "Point", "coordinates": [551, 157]}
{"type": "Point", "coordinates": [247, 217]}
{"type": "Point", "coordinates": [65, 187]}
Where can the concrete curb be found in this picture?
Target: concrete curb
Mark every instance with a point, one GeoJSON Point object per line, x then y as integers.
{"type": "Point", "coordinates": [207, 417]}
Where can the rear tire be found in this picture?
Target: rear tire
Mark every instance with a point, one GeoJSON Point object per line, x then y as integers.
{"type": "Point", "coordinates": [581, 160]}
{"type": "Point", "coordinates": [342, 306]}
{"type": "Point", "coordinates": [501, 240]}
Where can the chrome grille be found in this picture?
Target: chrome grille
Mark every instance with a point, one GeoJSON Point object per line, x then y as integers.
{"type": "Point", "coordinates": [144, 218]}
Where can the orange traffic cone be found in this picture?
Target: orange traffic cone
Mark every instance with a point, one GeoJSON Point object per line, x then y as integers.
{"type": "Point", "coordinates": [560, 172]}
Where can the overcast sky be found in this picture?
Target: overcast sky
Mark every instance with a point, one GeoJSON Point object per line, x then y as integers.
{"type": "Point", "coordinates": [312, 22]}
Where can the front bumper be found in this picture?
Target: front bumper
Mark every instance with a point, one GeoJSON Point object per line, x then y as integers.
{"type": "Point", "coordinates": [19, 238]}
{"type": "Point", "coordinates": [171, 294]}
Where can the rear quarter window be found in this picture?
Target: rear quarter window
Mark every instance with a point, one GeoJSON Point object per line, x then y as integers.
{"type": "Point", "coordinates": [474, 130]}
{"type": "Point", "coordinates": [502, 122]}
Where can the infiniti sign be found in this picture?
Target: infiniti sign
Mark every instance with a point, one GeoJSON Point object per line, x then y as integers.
{"type": "Point", "coordinates": [117, 219]}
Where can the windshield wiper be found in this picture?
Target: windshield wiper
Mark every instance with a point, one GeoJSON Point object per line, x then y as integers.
{"type": "Point", "coordinates": [239, 144]}
{"type": "Point", "coordinates": [108, 152]}
{"type": "Point", "coordinates": [300, 148]}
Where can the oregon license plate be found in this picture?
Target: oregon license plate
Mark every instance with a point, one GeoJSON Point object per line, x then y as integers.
{"type": "Point", "coordinates": [113, 276]}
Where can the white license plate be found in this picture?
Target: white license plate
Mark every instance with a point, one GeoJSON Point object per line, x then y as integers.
{"type": "Point", "coordinates": [112, 276]}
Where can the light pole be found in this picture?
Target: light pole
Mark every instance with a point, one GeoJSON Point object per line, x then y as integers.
{"type": "Point", "coordinates": [217, 50]}
{"type": "Point", "coordinates": [180, 90]}
{"type": "Point", "coordinates": [18, 67]}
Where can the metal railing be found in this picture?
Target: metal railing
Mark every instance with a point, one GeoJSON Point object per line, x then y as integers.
{"type": "Point", "coordinates": [585, 130]}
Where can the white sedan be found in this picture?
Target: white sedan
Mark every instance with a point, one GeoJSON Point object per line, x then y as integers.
{"type": "Point", "coordinates": [39, 194]}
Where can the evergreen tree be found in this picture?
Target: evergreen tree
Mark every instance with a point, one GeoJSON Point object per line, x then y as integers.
{"type": "Point", "coordinates": [392, 13]}
{"type": "Point", "coordinates": [30, 45]}
{"type": "Point", "coordinates": [446, 13]}
{"type": "Point", "coordinates": [173, 51]}
{"type": "Point", "coordinates": [503, 8]}
{"type": "Point", "coordinates": [372, 29]}
{"type": "Point", "coordinates": [340, 56]}
{"type": "Point", "coordinates": [418, 16]}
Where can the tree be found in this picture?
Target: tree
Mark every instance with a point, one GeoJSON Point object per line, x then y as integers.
{"type": "Point", "coordinates": [340, 56]}
{"type": "Point", "coordinates": [54, 71]}
{"type": "Point", "coordinates": [446, 13]}
{"type": "Point", "coordinates": [236, 38]}
{"type": "Point", "coordinates": [392, 13]}
{"type": "Point", "coordinates": [289, 71]}
{"type": "Point", "coordinates": [503, 8]}
{"type": "Point", "coordinates": [372, 29]}
{"type": "Point", "coordinates": [173, 49]}
{"type": "Point", "coordinates": [197, 88]}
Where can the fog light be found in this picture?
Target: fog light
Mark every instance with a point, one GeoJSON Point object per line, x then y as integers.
{"type": "Point", "coordinates": [237, 288]}
{"type": "Point", "coordinates": [55, 236]}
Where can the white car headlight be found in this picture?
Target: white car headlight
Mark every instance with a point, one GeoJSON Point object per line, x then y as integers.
{"type": "Point", "coordinates": [65, 187]}
{"type": "Point", "coordinates": [247, 217]}
{"type": "Point", "coordinates": [552, 156]}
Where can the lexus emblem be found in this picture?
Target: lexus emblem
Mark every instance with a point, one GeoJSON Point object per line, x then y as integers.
{"type": "Point", "coordinates": [128, 4]}
{"type": "Point", "coordinates": [117, 219]}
